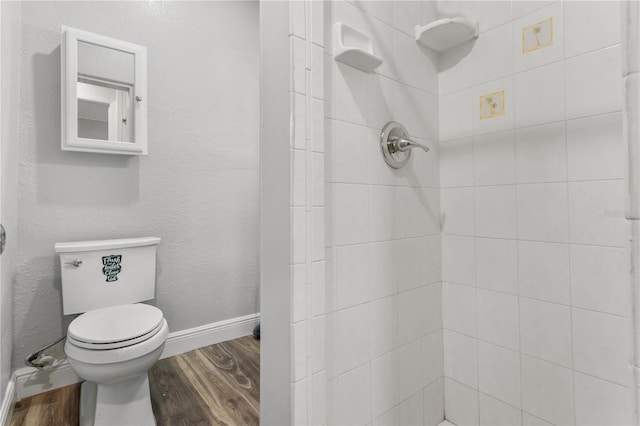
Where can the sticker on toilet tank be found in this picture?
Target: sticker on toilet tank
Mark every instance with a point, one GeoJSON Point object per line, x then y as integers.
{"type": "Point", "coordinates": [111, 266]}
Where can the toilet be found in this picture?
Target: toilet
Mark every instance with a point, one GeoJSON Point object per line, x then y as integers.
{"type": "Point", "coordinates": [116, 339]}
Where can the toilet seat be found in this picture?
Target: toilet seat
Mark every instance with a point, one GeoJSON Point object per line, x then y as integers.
{"type": "Point", "coordinates": [115, 327]}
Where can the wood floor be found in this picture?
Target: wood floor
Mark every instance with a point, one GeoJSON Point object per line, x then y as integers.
{"type": "Point", "coordinates": [215, 385]}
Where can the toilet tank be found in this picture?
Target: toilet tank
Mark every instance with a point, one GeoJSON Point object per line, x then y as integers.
{"type": "Point", "coordinates": [99, 274]}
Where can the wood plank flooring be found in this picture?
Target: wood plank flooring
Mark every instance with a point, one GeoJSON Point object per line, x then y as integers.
{"type": "Point", "coordinates": [215, 385]}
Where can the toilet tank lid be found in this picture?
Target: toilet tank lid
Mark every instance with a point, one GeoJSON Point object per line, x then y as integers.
{"type": "Point", "coordinates": [105, 244]}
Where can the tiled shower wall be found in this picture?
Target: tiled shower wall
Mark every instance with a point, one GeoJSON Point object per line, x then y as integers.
{"type": "Point", "coordinates": [534, 267]}
{"type": "Point", "coordinates": [384, 316]}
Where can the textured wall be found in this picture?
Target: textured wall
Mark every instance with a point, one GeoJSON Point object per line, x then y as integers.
{"type": "Point", "coordinates": [534, 263]}
{"type": "Point", "coordinates": [197, 189]}
{"type": "Point", "coordinates": [10, 94]}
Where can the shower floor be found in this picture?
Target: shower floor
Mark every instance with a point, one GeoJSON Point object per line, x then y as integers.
{"type": "Point", "coordinates": [217, 384]}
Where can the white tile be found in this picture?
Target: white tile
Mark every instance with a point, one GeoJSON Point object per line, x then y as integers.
{"type": "Point", "coordinates": [541, 153]}
{"type": "Point", "coordinates": [329, 84]}
{"type": "Point", "coordinates": [581, 16]}
{"type": "Point", "coordinates": [456, 115]}
{"type": "Point", "coordinates": [299, 140]}
{"type": "Point", "coordinates": [458, 211]}
{"type": "Point", "coordinates": [494, 159]}
{"type": "Point", "coordinates": [497, 265]}
{"type": "Point", "coordinates": [352, 214]}
{"type": "Point", "coordinates": [407, 16]}
{"type": "Point", "coordinates": [418, 262]}
{"type": "Point", "coordinates": [544, 55]}
{"type": "Point", "coordinates": [434, 403]}
{"type": "Point", "coordinates": [299, 346]}
{"type": "Point", "coordinates": [423, 168]}
{"type": "Point", "coordinates": [412, 410]}
{"type": "Point", "coordinates": [350, 143]}
{"type": "Point", "coordinates": [382, 209]}
{"type": "Point", "coordinates": [319, 399]}
{"type": "Point", "coordinates": [543, 212]}
{"type": "Point", "coordinates": [499, 123]}
{"type": "Point", "coordinates": [594, 83]}
{"type": "Point", "coordinates": [599, 402]}
{"type": "Point", "coordinates": [352, 275]}
{"type": "Point", "coordinates": [630, 39]}
{"type": "Point", "coordinates": [354, 343]}
{"type": "Point", "coordinates": [499, 373]}
{"type": "Point", "coordinates": [540, 95]}
{"type": "Point", "coordinates": [545, 331]}
{"type": "Point", "coordinates": [599, 279]}
{"type": "Point", "coordinates": [458, 259]}
{"type": "Point", "coordinates": [330, 150]}
{"type": "Point", "coordinates": [384, 325]}
{"type": "Point", "coordinates": [417, 111]}
{"type": "Point", "coordinates": [544, 271]}
{"type": "Point", "coordinates": [384, 383]}
{"type": "Point", "coordinates": [461, 403]}
{"type": "Point", "coordinates": [319, 288]}
{"type": "Point", "coordinates": [317, 130]}
{"type": "Point", "coordinates": [461, 358]}
{"type": "Point", "coordinates": [317, 72]}
{"type": "Point", "coordinates": [298, 53]}
{"type": "Point", "coordinates": [456, 163]}
{"type": "Point", "coordinates": [381, 101]}
{"type": "Point", "coordinates": [498, 318]}
{"type": "Point", "coordinates": [547, 391]}
{"type": "Point", "coordinates": [383, 10]}
{"type": "Point", "coordinates": [412, 367]}
{"type": "Point", "coordinates": [407, 60]}
{"type": "Point", "coordinates": [523, 7]}
{"type": "Point", "coordinates": [297, 15]}
{"type": "Point", "coordinates": [595, 213]}
{"type": "Point", "coordinates": [317, 195]}
{"type": "Point", "coordinates": [417, 212]}
{"type": "Point", "coordinates": [455, 72]}
{"type": "Point", "coordinates": [317, 23]}
{"type": "Point", "coordinates": [317, 236]}
{"type": "Point", "coordinates": [529, 420]}
{"type": "Point", "coordinates": [433, 307]}
{"type": "Point", "coordinates": [601, 345]}
{"type": "Point", "coordinates": [595, 147]}
{"type": "Point", "coordinates": [390, 418]}
{"type": "Point", "coordinates": [354, 396]}
{"type": "Point", "coordinates": [432, 356]}
{"type": "Point", "coordinates": [411, 315]}
{"type": "Point", "coordinates": [298, 235]}
{"type": "Point", "coordinates": [459, 308]}
{"type": "Point", "coordinates": [299, 177]}
{"type": "Point", "coordinates": [318, 337]}
{"type": "Point", "coordinates": [299, 306]}
{"type": "Point", "coordinates": [496, 413]}
{"type": "Point", "coordinates": [383, 274]}
{"type": "Point", "coordinates": [493, 55]}
{"type": "Point", "coordinates": [496, 211]}
{"type": "Point", "coordinates": [383, 38]}
{"type": "Point", "coordinates": [300, 406]}
{"type": "Point", "coordinates": [351, 93]}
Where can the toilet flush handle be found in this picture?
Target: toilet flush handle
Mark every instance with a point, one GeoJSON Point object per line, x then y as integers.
{"type": "Point", "coordinates": [75, 262]}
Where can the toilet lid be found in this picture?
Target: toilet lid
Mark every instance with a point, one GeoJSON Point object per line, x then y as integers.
{"type": "Point", "coordinates": [115, 324]}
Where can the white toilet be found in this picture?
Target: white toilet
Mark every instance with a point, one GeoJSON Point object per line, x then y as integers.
{"type": "Point", "coordinates": [116, 340]}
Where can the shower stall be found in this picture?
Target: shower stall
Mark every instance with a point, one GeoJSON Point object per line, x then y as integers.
{"type": "Point", "coordinates": [490, 279]}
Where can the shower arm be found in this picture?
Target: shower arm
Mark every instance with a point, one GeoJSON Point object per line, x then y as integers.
{"type": "Point", "coordinates": [404, 144]}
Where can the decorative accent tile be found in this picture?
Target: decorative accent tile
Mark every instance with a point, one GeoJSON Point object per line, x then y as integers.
{"type": "Point", "coordinates": [492, 105]}
{"type": "Point", "coordinates": [537, 36]}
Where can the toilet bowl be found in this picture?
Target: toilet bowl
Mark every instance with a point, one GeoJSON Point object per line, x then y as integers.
{"type": "Point", "coordinates": [112, 349]}
{"type": "Point", "coordinates": [115, 341]}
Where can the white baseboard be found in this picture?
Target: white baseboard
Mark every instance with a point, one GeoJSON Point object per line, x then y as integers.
{"type": "Point", "coordinates": [8, 402]}
{"type": "Point", "coordinates": [31, 381]}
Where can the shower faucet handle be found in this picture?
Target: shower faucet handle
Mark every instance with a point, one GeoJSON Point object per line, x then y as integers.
{"type": "Point", "coordinates": [404, 144]}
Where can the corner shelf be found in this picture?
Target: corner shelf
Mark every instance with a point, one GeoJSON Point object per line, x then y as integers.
{"type": "Point", "coordinates": [446, 33]}
{"type": "Point", "coordinates": [354, 48]}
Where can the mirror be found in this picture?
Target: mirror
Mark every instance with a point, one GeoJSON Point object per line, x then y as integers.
{"type": "Point", "coordinates": [104, 88]}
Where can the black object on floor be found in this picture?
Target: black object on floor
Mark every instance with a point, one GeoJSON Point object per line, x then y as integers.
{"type": "Point", "coordinates": [256, 332]}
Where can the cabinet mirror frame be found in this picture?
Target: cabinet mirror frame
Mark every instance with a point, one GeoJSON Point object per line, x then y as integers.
{"type": "Point", "coordinates": [69, 96]}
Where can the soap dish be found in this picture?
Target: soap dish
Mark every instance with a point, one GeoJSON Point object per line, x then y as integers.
{"type": "Point", "coordinates": [354, 48]}
{"type": "Point", "coordinates": [446, 33]}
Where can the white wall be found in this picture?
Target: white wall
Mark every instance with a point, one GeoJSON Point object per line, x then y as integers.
{"type": "Point", "coordinates": [197, 189]}
{"type": "Point", "coordinates": [10, 12]}
{"type": "Point", "coordinates": [535, 292]}
{"type": "Point", "coordinates": [384, 322]}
